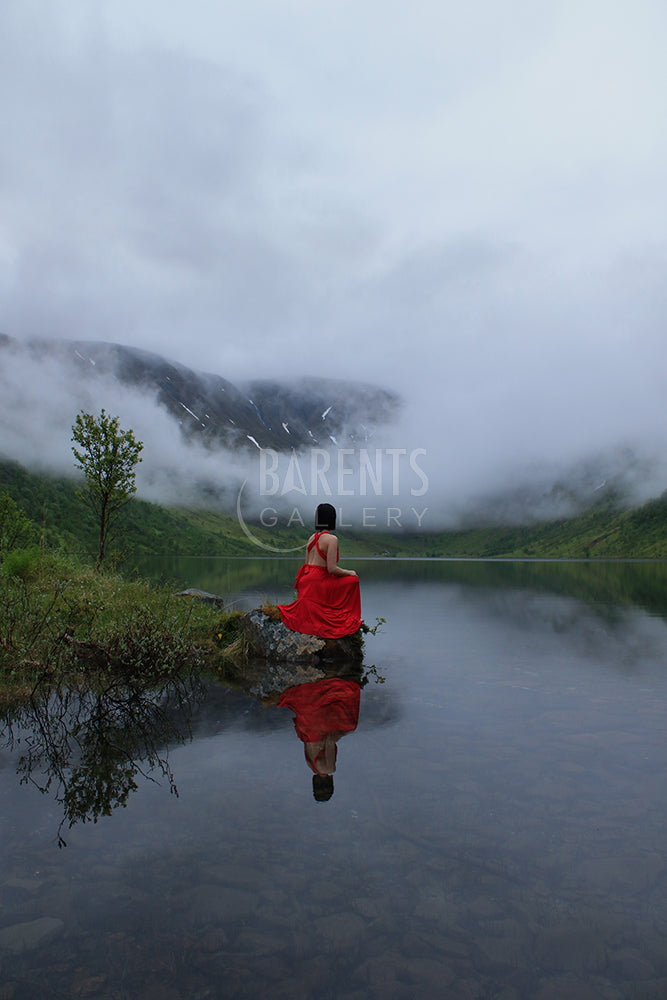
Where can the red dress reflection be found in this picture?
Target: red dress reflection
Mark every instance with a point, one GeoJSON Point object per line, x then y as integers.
{"type": "Point", "coordinates": [324, 711]}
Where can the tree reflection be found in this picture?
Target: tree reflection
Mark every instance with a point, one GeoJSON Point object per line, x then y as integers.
{"type": "Point", "coordinates": [86, 744]}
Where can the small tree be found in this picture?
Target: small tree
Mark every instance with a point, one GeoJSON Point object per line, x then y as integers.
{"type": "Point", "coordinates": [107, 456]}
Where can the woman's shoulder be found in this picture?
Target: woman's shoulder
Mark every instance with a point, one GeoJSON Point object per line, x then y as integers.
{"type": "Point", "coordinates": [323, 539]}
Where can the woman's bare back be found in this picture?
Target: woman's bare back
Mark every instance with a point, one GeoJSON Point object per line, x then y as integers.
{"type": "Point", "coordinates": [322, 550]}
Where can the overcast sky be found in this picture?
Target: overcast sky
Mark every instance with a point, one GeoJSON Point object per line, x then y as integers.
{"type": "Point", "coordinates": [465, 202]}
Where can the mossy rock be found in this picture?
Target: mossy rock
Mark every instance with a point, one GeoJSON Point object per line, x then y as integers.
{"type": "Point", "coordinates": [271, 640]}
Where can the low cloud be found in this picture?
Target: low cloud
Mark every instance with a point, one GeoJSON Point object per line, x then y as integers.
{"type": "Point", "coordinates": [40, 398]}
{"type": "Point", "coordinates": [417, 473]}
{"type": "Point", "coordinates": [462, 204]}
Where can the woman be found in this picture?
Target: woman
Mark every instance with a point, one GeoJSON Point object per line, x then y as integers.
{"type": "Point", "coordinates": [328, 603]}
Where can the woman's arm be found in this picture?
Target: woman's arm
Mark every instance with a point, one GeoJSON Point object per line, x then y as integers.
{"type": "Point", "coordinates": [332, 559]}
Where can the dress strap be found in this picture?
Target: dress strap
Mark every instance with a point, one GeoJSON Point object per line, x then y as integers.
{"type": "Point", "coordinates": [317, 545]}
{"type": "Point", "coordinates": [315, 542]}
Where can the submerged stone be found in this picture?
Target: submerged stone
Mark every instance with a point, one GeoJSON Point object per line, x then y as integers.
{"type": "Point", "coordinates": [29, 935]}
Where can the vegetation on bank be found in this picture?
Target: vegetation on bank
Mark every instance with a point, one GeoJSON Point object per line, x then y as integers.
{"type": "Point", "coordinates": [60, 617]}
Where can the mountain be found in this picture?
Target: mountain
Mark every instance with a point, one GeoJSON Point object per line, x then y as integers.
{"type": "Point", "coordinates": [202, 433]}
{"type": "Point", "coordinates": [619, 478]}
{"type": "Point", "coordinates": [262, 414]}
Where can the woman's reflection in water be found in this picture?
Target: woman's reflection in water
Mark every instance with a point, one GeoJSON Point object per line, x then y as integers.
{"type": "Point", "coordinates": [324, 711]}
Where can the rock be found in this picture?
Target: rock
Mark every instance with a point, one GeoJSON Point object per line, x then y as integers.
{"type": "Point", "coordinates": [202, 595]}
{"type": "Point", "coordinates": [630, 964]}
{"type": "Point", "coordinates": [338, 931]}
{"type": "Point", "coordinates": [214, 940]}
{"type": "Point", "coordinates": [221, 906]}
{"type": "Point", "coordinates": [417, 976]}
{"type": "Point", "coordinates": [570, 948]}
{"type": "Point", "coordinates": [268, 639]}
{"type": "Point", "coordinates": [570, 987]}
{"type": "Point", "coordinates": [27, 936]}
{"type": "Point", "coordinates": [31, 885]}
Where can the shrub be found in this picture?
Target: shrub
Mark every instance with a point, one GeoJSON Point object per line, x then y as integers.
{"type": "Point", "coordinates": [16, 529]}
{"type": "Point", "coordinates": [22, 564]}
{"type": "Point", "coordinates": [149, 644]}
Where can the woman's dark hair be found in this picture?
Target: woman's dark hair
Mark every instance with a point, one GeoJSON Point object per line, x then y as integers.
{"type": "Point", "coordinates": [325, 516]}
{"type": "Point", "coordinates": [322, 787]}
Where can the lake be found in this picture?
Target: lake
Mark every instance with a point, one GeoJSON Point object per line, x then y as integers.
{"type": "Point", "coordinates": [496, 827]}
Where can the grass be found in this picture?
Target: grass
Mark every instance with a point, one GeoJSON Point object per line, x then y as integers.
{"type": "Point", "coordinates": [60, 617]}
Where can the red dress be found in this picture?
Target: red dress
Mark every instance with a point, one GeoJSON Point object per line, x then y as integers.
{"type": "Point", "coordinates": [327, 606]}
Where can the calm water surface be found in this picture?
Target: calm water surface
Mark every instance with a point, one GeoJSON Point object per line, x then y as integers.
{"type": "Point", "coordinates": [497, 827]}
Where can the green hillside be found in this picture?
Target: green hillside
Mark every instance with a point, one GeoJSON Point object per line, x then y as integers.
{"type": "Point", "coordinates": [601, 532]}
{"type": "Point", "coordinates": [63, 521]}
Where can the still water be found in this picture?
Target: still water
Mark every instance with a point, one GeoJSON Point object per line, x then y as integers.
{"type": "Point", "coordinates": [496, 828]}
